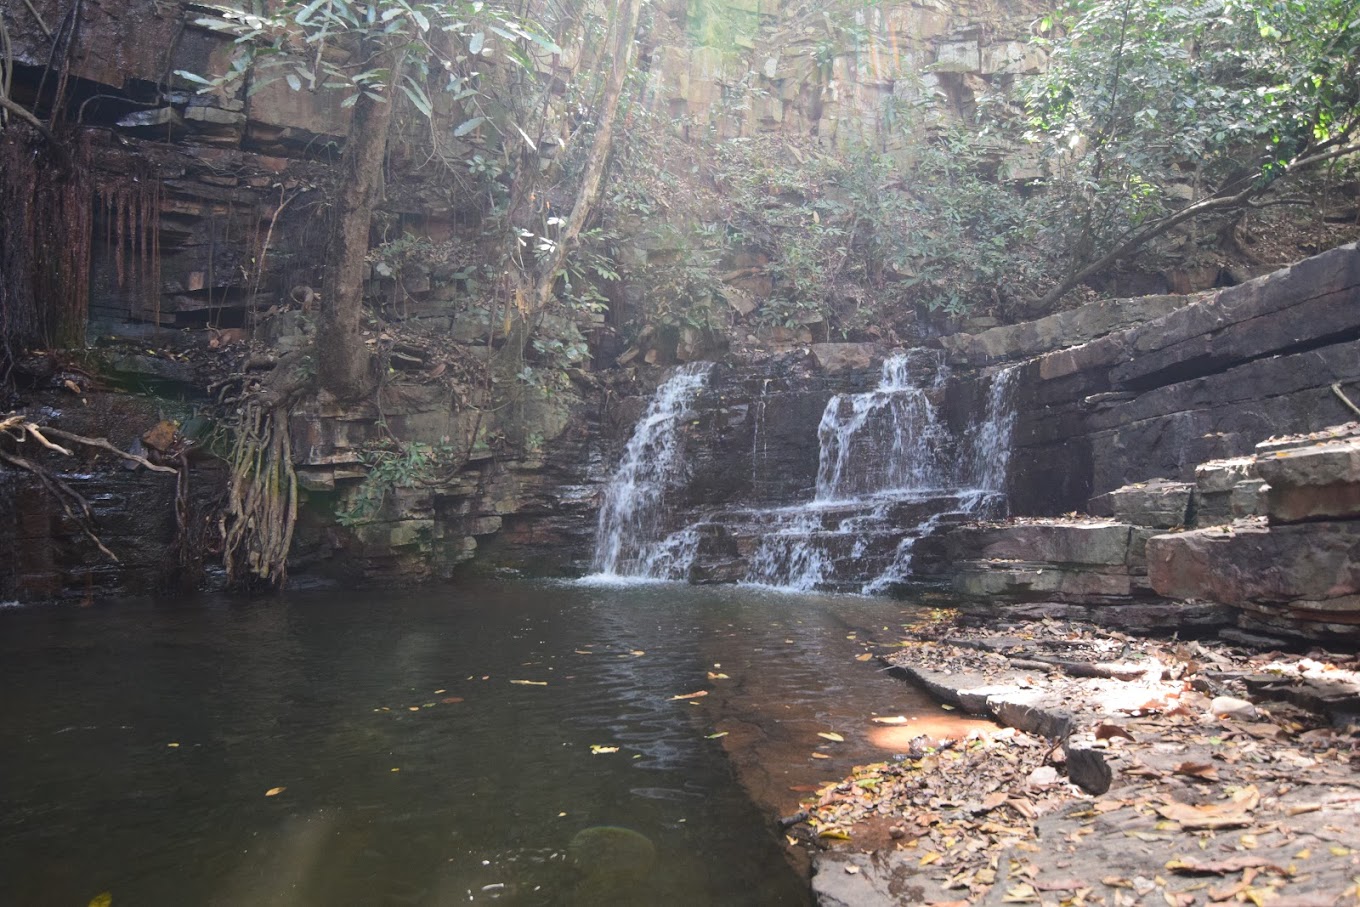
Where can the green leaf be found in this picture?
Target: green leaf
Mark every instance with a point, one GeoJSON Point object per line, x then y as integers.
{"type": "Point", "coordinates": [467, 126]}
{"type": "Point", "coordinates": [476, 43]}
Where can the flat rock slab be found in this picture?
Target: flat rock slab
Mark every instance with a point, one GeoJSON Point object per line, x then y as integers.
{"type": "Point", "coordinates": [1208, 797]}
{"type": "Point", "coordinates": [1312, 482]}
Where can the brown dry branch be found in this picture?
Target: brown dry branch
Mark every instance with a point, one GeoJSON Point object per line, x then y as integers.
{"type": "Point", "coordinates": [76, 508]}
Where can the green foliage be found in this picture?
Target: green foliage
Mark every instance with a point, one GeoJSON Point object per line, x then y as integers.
{"type": "Point", "coordinates": [397, 465]}
{"type": "Point", "coordinates": [1152, 107]}
{"type": "Point", "coordinates": [296, 43]}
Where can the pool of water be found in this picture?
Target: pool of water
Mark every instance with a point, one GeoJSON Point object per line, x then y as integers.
{"type": "Point", "coordinates": [444, 747]}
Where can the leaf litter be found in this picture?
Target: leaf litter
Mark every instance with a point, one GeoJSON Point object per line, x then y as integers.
{"type": "Point", "coordinates": [1201, 806]}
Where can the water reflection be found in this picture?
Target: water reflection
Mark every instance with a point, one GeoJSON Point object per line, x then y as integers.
{"type": "Point", "coordinates": [141, 740]}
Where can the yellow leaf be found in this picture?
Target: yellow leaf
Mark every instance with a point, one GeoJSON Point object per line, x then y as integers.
{"type": "Point", "coordinates": [835, 834]}
{"type": "Point", "coordinates": [947, 707]}
{"type": "Point", "coordinates": [103, 899]}
{"type": "Point", "coordinates": [274, 791]}
{"type": "Point", "coordinates": [1339, 851]}
{"type": "Point", "coordinates": [690, 695]}
{"type": "Point", "coordinates": [716, 736]}
{"type": "Point", "coordinates": [596, 749]}
{"type": "Point", "coordinates": [712, 676]}
{"type": "Point", "coordinates": [531, 683]}
{"type": "Point", "coordinates": [829, 735]}
{"type": "Point", "coordinates": [892, 719]}
{"type": "Point", "coordinates": [929, 858]}
{"type": "Point", "coordinates": [820, 756]}
{"type": "Point", "coordinates": [172, 745]}
{"type": "Point", "coordinates": [867, 656]}
{"type": "Point", "coordinates": [637, 653]}
{"type": "Point", "coordinates": [413, 708]}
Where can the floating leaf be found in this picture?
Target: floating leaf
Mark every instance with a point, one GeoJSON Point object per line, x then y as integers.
{"type": "Point", "coordinates": [530, 683]}
{"type": "Point", "coordinates": [103, 899]}
{"type": "Point", "coordinates": [450, 700]}
{"type": "Point", "coordinates": [716, 736]}
{"type": "Point", "coordinates": [697, 695]}
{"type": "Point", "coordinates": [712, 676]}
{"type": "Point", "coordinates": [890, 719]}
{"type": "Point", "coordinates": [829, 735]}
{"type": "Point", "coordinates": [598, 749]}
{"type": "Point", "coordinates": [867, 656]}
{"type": "Point", "coordinates": [274, 791]}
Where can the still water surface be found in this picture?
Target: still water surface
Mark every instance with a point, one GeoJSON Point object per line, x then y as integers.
{"type": "Point", "coordinates": [140, 739]}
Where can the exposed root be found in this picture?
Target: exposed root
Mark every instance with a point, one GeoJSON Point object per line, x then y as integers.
{"type": "Point", "coordinates": [66, 496]}
{"type": "Point", "coordinates": [262, 499]}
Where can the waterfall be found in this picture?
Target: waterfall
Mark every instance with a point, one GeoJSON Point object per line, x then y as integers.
{"type": "Point", "coordinates": [886, 441]}
{"type": "Point", "coordinates": [629, 540]}
{"type": "Point", "coordinates": [984, 478]}
{"type": "Point", "coordinates": [991, 447]}
{"type": "Point", "coordinates": [889, 473]}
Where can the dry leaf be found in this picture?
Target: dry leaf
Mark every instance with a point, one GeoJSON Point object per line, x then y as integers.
{"type": "Point", "coordinates": [834, 834]}
{"type": "Point", "coordinates": [867, 656]}
{"type": "Point", "coordinates": [929, 858]}
{"type": "Point", "coordinates": [890, 719]}
{"type": "Point", "coordinates": [1235, 812]}
{"type": "Point", "coordinates": [1109, 731]}
{"type": "Point", "coordinates": [274, 791]}
{"type": "Point", "coordinates": [829, 735]}
{"type": "Point", "coordinates": [1202, 770]}
{"type": "Point", "coordinates": [596, 749]}
{"type": "Point", "coordinates": [104, 898]}
{"type": "Point", "coordinates": [1191, 866]}
{"type": "Point", "coordinates": [712, 676]}
{"type": "Point", "coordinates": [450, 700]}
{"type": "Point", "coordinates": [820, 756]}
{"type": "Point", "coordinates": [530, 683]}
{"type": "Point", "coordinates": [690, 695]}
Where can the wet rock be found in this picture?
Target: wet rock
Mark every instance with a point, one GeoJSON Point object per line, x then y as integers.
{"type": "Point", "coordinates": [840, 357]}
{"type": "Point", "coordinates": [612, 860]}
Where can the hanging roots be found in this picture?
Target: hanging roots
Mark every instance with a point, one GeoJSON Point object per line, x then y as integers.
{"type": "Point", "coordinates": [262, 499]}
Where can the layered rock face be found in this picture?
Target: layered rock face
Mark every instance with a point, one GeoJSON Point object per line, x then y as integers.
{"type": "Point", "coordinates": [1132, 390]}
{"type": "Point", "coordinates": [1295, 569]}
{"type": "Point", "coordinates": [1151, 422]}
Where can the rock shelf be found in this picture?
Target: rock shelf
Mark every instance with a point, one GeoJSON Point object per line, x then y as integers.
{"type": "Point", "coordinates": [1129, 771]}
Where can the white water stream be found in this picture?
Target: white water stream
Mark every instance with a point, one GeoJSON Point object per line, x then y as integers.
{"type": "Point", "coordinates": [889, 472]}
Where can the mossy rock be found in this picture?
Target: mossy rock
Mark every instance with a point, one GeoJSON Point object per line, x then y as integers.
{"type": "Point", "coordinates": [612, 862]}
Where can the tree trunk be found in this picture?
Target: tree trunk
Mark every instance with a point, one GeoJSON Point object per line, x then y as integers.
{"type": "Point", "coordinates": [621, 51]}
{"type": "Point", "coordinates": [342, 357]}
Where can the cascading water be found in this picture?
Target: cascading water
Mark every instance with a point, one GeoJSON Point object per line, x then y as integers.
{"type": "Point", "coordinates": [630, 540]}
{"type": "Point", "coordinates": [889, 472]}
